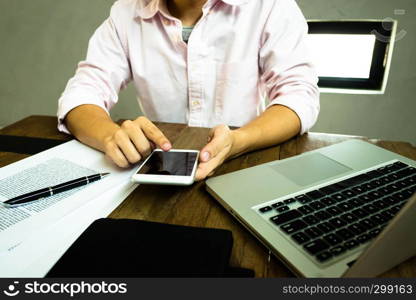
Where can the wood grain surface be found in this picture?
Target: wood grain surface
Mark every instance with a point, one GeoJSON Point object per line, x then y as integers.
{"type": "Point", "coordinates": [193, 206]}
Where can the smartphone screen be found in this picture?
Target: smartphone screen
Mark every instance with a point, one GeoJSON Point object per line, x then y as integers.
{"type": "Point", "coordinates": [169, 163]}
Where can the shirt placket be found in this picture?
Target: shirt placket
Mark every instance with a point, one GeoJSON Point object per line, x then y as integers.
{"type": "Point", "coordinates": [196, 55]}
{"type": "Point", "coordinates": [195, 86]}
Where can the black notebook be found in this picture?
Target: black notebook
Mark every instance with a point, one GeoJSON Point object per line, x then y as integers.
{"type": "Point", "coordinates": [134, 248]}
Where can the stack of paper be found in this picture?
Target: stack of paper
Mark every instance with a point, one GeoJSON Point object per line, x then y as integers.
{"type": "Point", "coordinates": [34, 236]}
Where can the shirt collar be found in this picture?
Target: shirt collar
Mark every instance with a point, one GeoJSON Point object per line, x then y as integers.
{"type": "Point", "coordinates": [235, 2]}
{"type": "Point", "coordinates": [148, 8]}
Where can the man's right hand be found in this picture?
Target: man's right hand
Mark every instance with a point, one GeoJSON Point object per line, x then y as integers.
{"type": "Point", "coordinates": [134, 140]}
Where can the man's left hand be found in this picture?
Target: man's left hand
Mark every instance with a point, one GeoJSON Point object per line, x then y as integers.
{"type": "Point", "coordinates": [220, 144]}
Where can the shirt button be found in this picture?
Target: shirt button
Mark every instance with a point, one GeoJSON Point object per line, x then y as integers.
{"type": "Point", "coordinates": [195, 103]}
{"type": "Point", "coordinates": [167, 22]}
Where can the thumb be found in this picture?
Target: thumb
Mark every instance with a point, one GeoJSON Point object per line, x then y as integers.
{"type": "Point", "coordinates": [214, 145]}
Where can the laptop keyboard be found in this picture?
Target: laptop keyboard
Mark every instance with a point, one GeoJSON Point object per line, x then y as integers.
{"type": "Point", "coordinates": [329, 221]}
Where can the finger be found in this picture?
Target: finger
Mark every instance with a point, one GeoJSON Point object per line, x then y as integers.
{"type": "Point", "coordinates": [142, 144]}
{"type": "Point", "coordinates": [206, 168]}
{"type": "Point", "coordinates": [115, 155]}
{"type": "Point", "coordinates": [215, 145]}
{"type": "Point", "coordinates": [154, 134]}
{"type": "Point", "coordinates": [139, 140]}
{"type": "Point", "coordinates": [200, 176]}
{"type": "Point", "coordinates": [123, 142]}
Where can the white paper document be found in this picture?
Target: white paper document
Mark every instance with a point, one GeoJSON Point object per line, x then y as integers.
{"type": "Point", "coordinates": [48, 173]}
{"type": "Point", "coordinates": [24, 227]}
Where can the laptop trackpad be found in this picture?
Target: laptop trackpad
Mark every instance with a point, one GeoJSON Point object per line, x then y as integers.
{"type": "Point", "coordinates": [309, 169]}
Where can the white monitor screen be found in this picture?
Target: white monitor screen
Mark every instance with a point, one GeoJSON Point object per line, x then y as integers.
{"type": "Point", "coordinates": [342, 55]}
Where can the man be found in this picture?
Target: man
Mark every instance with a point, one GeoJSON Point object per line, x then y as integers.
{"type": "Point", "coordinates": [207, 63]}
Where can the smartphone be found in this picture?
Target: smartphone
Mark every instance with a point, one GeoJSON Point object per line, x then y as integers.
{"type": "Point", "coordinates": [175, 167]}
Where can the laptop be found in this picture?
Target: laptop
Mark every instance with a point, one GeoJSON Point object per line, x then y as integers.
{"type": "Point", "coordinates": [339, 211]}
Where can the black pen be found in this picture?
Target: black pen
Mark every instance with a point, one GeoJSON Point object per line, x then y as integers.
{"type": "Point", "coordinates": [52, 190]}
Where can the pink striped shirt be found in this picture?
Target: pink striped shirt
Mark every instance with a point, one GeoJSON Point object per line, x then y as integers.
{"type": "Point", "coordinates": [242, 56]}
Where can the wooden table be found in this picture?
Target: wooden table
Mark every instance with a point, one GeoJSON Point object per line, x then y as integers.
{"type": "Point", "coordinates": [193, 205]}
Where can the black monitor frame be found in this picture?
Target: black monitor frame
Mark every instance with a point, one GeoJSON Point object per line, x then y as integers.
{"type": "Point", "coordinates": [381, 49]}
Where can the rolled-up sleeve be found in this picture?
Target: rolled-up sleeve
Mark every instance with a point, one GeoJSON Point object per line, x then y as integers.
{"type": "Point", "coordinates": [287, 72]}
{"type": "Point", "coordinates": [100, 77]}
